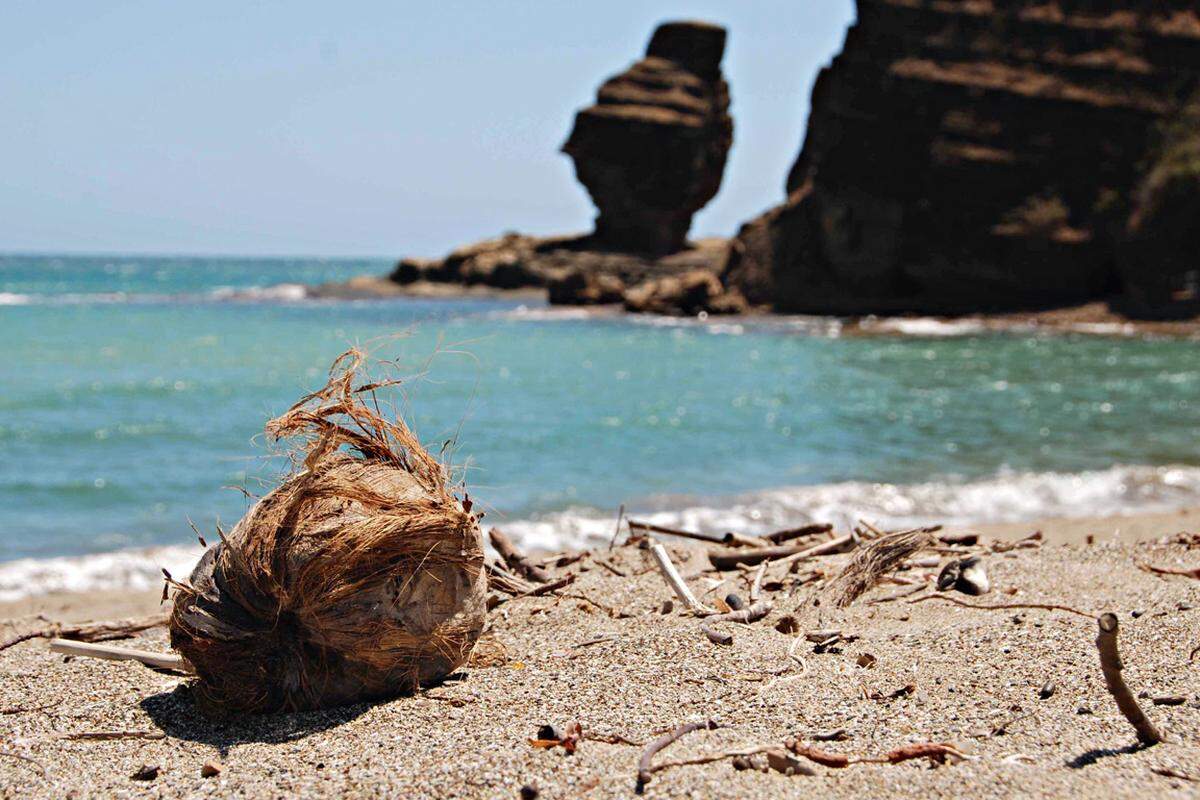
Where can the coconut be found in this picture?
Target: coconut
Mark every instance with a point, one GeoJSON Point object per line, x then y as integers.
{"type": "Point", "coordinates": [361, 576]}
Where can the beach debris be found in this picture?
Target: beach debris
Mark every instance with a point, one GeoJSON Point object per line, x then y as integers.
{"type": "Point", "coordinates": [1168, 699]}
{"type": "Point", "coordinates": [210, 770]}
{"type": "Point", "coordinates": [110, 736]}
{"type": "Point", "coordinates": [146, 772]}
{"type": "Point", "coordinates": [1111, 666]}
{"type": "Point", "coordinates": [963, 538]}
{"type": "Point", "coordinates": [1030, 542]}
{"type": "Point", "coordinates": [866, 660]}
{"type": "Point", "coordinates": [91, 631]}
{"type": "Point", "coordinates": [502, 580]}
{"type": "Point", "coordinates": [729, 538]}
{"type": "Point", "coordinates": [965, 575]}
{"type": "Point", "coordinates": [360, 576]}
{"type": "Point", "coordinates": [937, 752]}
{"type": "Point", "coordinates": [517, 561]}
{"type": "Point", "coordinates": [617, 531]}
{"type": "Point", "coordinates": [566, 737]}
{"type": "Point", "coordinates": [169, 662]}
{"type": "Point", "coordinates": [1047, 691]}
{"type": "Point", "coordinates": [835, 735]}
{"type": "Point", "coordinates": [783, 762]}
{"type": "Point", "coordinates": [731, 558]}
{"type": "Point", "coordinates": [24, 760]}
{"type": "Point", "coordinates": [871, 562]}
{"type": "Point", "coordinates": [671, 575]}
{"type": "Point", "coordinates": [1186, 572]}
{"type": "Point", "coordinates": [744, 615]}
{"type": "Point", "coordinates": [645, 765]}
{"type": "Point", "coordinates": [804, 531]}
{"type": "Point", "coordinates": [1168, 772]}
{"type": "Point", "coordinates": [788, 624]}
{"type": "Point", "coordinates": [529, 792]}
{"type": "Point", "coordinates": [613, 568]}
{"type": "Point", "coordinates": [1001, 606]}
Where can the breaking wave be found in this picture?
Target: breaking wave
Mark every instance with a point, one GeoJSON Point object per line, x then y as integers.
{"type": "Point", "coordinates": [1006, 497]}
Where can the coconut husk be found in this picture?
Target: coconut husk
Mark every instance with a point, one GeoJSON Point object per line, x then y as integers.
{"type": "Point", "coordinates": [359, 577]}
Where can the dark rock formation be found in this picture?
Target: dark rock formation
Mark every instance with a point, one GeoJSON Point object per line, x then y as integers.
{"type": "Point", "coordinates": [688, 293]}
{"type": "Point", "coordinates": [1160, 255]}
{"type": "Point", "coordinates": [652, 150]}
{"type": "Point", "coordinates": [575, 273]}
{"type": "Point", "coordinates": [976, 155]}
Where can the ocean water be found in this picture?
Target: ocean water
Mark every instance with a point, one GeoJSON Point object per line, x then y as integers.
{"type": "Point", "coordinates": [133, 393]}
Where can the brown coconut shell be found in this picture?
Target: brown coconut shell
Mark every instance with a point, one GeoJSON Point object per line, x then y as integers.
{"type": "Point", "coordinates": [360, 577]}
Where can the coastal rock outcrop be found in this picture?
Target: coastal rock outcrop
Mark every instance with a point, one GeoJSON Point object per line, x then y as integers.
{"type": "Point", "coordinates": [652, 150]}
{"type": "Point", "coordinates": [985, 155]}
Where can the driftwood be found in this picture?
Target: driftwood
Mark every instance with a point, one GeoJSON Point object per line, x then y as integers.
{"type": "Point", "coordinates": [645, 766]}
{"type": "Point", "coordinates": [671, 575]}
{"type": "Point", "coordinates": [92, 631]}
{"type": "Point", "coordinates": [168, 661]}
{"type": "Point", "coordinates": [804, 531]}
{"type": "Point", "coordinates": [1110, 664]}
{"type": "Point", "coordinates": [746, 615]}
{"type": "Point", "coordinates": [515, 559]}
{"type": "Point", "coordinates": [502, 580]}
{"type": "Point", "coordinates": [730, 558]}
{"type": "Point", "coordinates": [730, 538]}
{"type": "Point", "coordinates": [872, 562]}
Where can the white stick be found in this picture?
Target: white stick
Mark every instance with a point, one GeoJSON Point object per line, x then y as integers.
{"type": "Point", "coordinates": [673, 579]}
{"type": "Point", "coordinates": [109, 652]}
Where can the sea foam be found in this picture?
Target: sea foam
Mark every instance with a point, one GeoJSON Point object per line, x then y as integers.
{"type": "Point", "coordinates": [1006, 497]}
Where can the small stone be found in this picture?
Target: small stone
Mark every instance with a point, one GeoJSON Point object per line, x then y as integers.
{"type": "Point", "coordinates": [529, 792]}
{"type": "Point", "coordinates": [1047, 691]}
{"type": "Point", "coordinates": [667, 607]}
{"type": "Point", "coordinates": [1136, 614]}
{"type": "Point", "coordinates": [1083, 710]}
{"type": "Point", "coordinates": [1168, 700]}
{"type": "Point", "coordinates": [866, 660]}
{"type": "Point", "coordinates": [787, 624]}
{"type": "Point", "coordinates": [146, 772]}
{"type": "Point", "coordinates": [210, 770]}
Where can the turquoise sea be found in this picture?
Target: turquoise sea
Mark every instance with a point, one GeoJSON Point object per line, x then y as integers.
{"type": "Point", "coordinates": [133, 392]}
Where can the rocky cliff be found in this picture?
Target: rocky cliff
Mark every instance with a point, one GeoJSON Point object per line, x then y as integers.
{"type": "Point", "coordinates": [652, 149]}
{"type": "Point", "coordinates": [975, 155]}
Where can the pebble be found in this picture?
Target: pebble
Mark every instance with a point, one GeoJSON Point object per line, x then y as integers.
{"type": "Point", "coordinates": [1047, 690]}
{"type": "Point", "coordinates": [146, 772]}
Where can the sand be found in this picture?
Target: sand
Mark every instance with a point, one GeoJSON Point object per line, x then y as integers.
{"type": "Point", "coordinates": [975, 678]}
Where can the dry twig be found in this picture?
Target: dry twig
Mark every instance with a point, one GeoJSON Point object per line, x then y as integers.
{"type": "Point", "coordinates": [516, 560]}
{"type": "Point", "coordinates": [1110, 664]}
{"type": "Point", "coordinates": [92, 631]}
{"type": "Point", "coordinates": [1002, 606]}
{"type": "Point", "coordinates": [646, 768]}
{"type": "Point", "coordinates": [744, 615]}
{"type": "Point", "coordinates": [1187, 573]}
{"type": "Point", "coordinates": [671, 575]}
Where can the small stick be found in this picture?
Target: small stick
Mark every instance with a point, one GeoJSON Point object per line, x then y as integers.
{"type": "Point", "coordinates": [110, 652]}
{"type": "Point", "coordinates": [109, 736]}
{"type": "Point", "coordinates": [36, 765]}
{"type": "Point", "coordinates": [1002, 606]}
{"type": "Point", "coordinates": [547, 588]}
{"type": "Point", "coordinates": [746, 615]}
{"type": "Point", "coordinates": [502, 580]}
{"type": "Point", "coordinates": [617, 532]}
{"type": "Point", "coordinates": [515, 559]}
{"type": "Point", "coordinates": [634, 525]}
{"type": "Point", "coordinates": [1188, 573]}
{"type": "Point", "coordinates": [645, 769]}
{"type": "Point", "coordinates": [779, 537]}
{"type": "Point", "coordinates": [1110, 664]}
{"type": "Point", "coordinates": [673, 579]}
{"type": "Point", "coordinates": [615, 570]}
{"type": "Point", "coordinates": [92, 631]}
{"type": "Point", "coordinates": [756, 584]}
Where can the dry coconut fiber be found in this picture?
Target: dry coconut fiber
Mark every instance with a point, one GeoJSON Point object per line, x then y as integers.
{"type": "Point", "coordinates": [360, 576]}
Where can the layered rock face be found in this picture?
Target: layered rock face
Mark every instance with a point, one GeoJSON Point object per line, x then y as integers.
{"type": "Point", "coordinates": [977, 155]}
{"type": "Point", "coordinates": [651, 151]}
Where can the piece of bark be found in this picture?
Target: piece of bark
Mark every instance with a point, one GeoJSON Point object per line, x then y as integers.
{"type": "Point", "coordinates": [516, 560]}
{"type": "Point", "coordinates": [1111, 665]}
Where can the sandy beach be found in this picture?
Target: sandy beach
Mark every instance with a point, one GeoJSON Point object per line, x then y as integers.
{"type": "Point", "coordinates": [905, 671]}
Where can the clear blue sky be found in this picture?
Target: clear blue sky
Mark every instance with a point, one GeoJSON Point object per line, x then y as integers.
{"type": "Point", "coordinates": [357, 128]}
